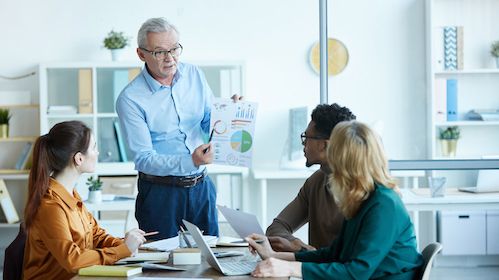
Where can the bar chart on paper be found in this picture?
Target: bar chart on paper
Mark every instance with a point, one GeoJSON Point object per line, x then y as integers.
{"type": "Point", "coordinates": [233, 125]}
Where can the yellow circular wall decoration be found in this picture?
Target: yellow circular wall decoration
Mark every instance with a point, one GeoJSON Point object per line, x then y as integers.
{"type": "Point", "coordinates": [337, 57]}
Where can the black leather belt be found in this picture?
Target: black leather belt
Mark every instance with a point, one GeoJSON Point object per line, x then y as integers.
{"type": "Point", "coordinates": [180, 181]}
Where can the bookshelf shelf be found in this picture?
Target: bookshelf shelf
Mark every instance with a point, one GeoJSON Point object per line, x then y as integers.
{"type": "Point", "coordinates": [107, 115]}
{"type": "Point", "coordinates": [468, 71]}
{"type": "Point", "coordinates": [467, 123]}
{"type": "Point", "coordinates": [69, 116]}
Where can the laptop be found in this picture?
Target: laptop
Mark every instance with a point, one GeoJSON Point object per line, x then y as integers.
{"type": "Point", "coordinates": [487, 182]}
{"type": "Point", "coordinates": [243, 223]}
{"type": "Point", "coordinates": [239, 267]}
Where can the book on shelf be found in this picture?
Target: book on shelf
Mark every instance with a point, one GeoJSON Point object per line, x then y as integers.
{"type": "Point", "coordinates": [121, 143]}
{"type": "Point", "coordinates": [108, 146]}
{"type": "Point", "coordinates": [7, 205]}
{"type": "Point", "coordinates": [85, 101]}
{"type": "Point", "coordinates": [452, 100]}
{"type": "Point", "coordinates": [61, 110]}
{"type": "Point", "coordinates": [438, 47]}
{"type": "Point", "coordinates": [109, 270]}
{"type": "Point", "coordinates": [440, 99]}
{"type": "Point", "coordinates": [133, 73]}
{"type": "Point", "coordinates": [24, 157]}
{"type": "Point", "coordinates": [453, 44]}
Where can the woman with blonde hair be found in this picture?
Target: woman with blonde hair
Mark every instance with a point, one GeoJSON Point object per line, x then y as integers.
{"type": "Point", "coordinates": [377, 240]}
{"type": "Point", "coordinates": [62, 236]}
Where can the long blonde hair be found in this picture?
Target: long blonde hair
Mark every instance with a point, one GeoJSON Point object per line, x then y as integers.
{"type": "Point", "coordinates": [357, 162]}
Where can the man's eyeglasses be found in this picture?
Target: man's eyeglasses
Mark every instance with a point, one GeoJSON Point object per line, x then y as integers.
{"type": "Point", "coordinates": [160, 55]}
{"type": "Point", "coordinates": [304, 138]}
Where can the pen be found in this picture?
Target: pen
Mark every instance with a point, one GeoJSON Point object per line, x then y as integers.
{"type": "Point", "coordinates": [184, 236]}
{"type": "Point", "coordinates": [209, 140]}
{"type": "Point", "coordinates": [211, 135]}
{"type": "Point", "coordinates": [152, 249]}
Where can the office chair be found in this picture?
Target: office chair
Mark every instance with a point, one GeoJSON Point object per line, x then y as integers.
{"type": "Point", "coordinates": [14, 255]}
{"type": "Point", "coordinates": [429, 254]}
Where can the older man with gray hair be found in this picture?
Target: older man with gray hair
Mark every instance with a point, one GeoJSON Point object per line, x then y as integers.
{"type": "Point", "coordinates": [165, 115]}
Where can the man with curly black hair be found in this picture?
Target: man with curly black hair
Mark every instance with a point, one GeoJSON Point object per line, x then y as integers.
{"type": "Point", "coordinates": [314, 203]}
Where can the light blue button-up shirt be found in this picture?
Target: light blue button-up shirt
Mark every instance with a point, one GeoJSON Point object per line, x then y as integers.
{"type": "Point", "coordinates": [164, 124]}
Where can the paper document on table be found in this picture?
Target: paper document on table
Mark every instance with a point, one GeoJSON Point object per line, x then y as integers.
{"type": "Point", "coordinates": [233, 127]}
{"type": "Point", "coordinates": [227, 241]}
{"type": "Point", "coordinates": [172, 243]}
{"type": "Point", "coordinates": [164, 245]}
{"type": "Point", "coordinates": [142, 257]}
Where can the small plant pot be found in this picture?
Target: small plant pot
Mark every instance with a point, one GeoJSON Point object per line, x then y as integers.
{"type": "Point", "coordinates": [449, 148]}
{"type": "Point", "coordinates": [497, 62]}
{"type": "Point", "coordinates": [4, 131]}
{"type": "Point", "coordinates": [116, 54]}
{"type": "Point", "coordinates": [95, 196]}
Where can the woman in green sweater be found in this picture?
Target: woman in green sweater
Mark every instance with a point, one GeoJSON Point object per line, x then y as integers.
{"type": "Point", "coordinates": [377, 240]}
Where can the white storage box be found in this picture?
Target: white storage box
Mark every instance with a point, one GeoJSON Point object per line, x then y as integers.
{"type": "Point", "coordinates": [493, 232]}
{"type": "Point", "coordinates": [463, 233]}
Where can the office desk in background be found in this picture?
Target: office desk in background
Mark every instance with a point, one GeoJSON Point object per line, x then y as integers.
{"type": "Point", "coordinates": [411, 178]}
{"type": "Point", "coordinates": [420, 200]}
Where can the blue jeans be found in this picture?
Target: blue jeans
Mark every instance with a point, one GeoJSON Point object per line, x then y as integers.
{"type": "Point", "coordinates": [161, 207]}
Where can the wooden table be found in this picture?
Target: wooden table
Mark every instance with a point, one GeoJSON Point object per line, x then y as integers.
{"type": "Point", "coordinates": [204, 270]}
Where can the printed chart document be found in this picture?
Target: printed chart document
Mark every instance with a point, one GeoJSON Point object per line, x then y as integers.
{"type": "Point", "coordinates": [233, 127]}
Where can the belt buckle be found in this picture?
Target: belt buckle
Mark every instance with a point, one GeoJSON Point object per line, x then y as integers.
{"type": "Point", "coordinates": [192, 181]}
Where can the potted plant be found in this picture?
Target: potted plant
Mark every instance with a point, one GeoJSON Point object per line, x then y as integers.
{"type": "Point", "coordinates": [448, 138]}
{"type": "Point", "coordinates": [95, 190]}
{"type": "Point", "coordinates": [4, 122]}
{"type": "Point", "coordinates": [115, 42]}
{"type": "Point", "coordinates": [494, 51]}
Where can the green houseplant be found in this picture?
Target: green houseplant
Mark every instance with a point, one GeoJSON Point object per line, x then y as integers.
{"type": "Point", "coordinates": [4, 122]}
{"type": "Point", "coordinates": [115, 42]}
{"type": "Point", "coordinates": [494, 51]}
{"type": "Point", "coordinates": [95, 190]}
{"type": "Point", "coordinates": [448, 139]}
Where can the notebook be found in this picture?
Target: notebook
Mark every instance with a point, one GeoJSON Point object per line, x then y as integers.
{"type": "Point", "coordinates": [243, 223]}
{"type": "Point", "coordinates": [109, 270]}
{"type": "Point", "coordinates": [239, 267]}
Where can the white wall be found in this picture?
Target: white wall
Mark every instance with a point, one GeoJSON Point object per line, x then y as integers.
{"type": "Point", "coordinates": [384, 80]}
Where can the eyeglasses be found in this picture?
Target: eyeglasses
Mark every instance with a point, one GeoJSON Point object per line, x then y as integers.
{"type": "Point", "coordinates": [304, 138]}
{"type": "Point", "coordinates": [160, 55]}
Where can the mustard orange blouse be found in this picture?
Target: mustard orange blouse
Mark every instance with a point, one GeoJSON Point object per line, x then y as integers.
{"type": "Point", "coordinates": [64, 237]}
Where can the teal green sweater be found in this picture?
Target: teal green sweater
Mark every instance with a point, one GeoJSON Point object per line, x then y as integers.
{"type": "Point", "coordinates": [377, 243]}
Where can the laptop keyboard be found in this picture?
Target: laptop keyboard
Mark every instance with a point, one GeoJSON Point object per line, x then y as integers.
{"type": "Point", "coordinates": [239, 267]}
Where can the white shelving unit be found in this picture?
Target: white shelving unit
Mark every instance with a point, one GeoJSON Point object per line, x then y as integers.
{"type": "Point", "coordinates": [477, 88]}
{"type": "Point", "coordinates": [478, 81]}
{"type": "Point", "coordinates": [98, 84]}
{"type": "Point", "coordinates": [61, 84]}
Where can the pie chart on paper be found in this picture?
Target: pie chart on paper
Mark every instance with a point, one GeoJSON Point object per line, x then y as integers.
{"type": "Point", "coordinates": [241, 141]}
